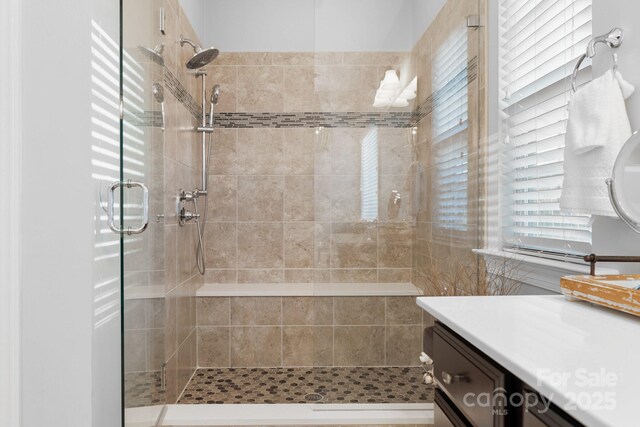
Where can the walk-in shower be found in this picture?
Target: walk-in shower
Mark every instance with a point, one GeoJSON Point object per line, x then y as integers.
{"type": "Point", "coordinates": [293, 223]}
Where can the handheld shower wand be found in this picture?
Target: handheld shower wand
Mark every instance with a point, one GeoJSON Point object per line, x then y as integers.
{"type": "Point", "coordinates": [215, 96]}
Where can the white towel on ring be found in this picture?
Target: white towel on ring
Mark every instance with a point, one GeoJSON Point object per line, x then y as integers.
{"type": "Point", "coordinates": [597, 128]}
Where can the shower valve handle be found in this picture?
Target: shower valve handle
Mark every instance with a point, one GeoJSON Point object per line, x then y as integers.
{"type": "Point", "coordinates": [190, 196]}
{"type": "Point", "coordinates": [186, 216]}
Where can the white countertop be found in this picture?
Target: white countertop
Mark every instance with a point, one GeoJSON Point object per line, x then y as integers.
{"type": "Point", "coordinates": [538, 337]}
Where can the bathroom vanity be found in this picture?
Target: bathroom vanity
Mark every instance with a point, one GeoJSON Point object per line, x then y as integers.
{"type": "Point", "coordinates": [532, 361]}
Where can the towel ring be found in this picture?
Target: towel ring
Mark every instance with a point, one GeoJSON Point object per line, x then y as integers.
{"type": "Point", "coordinates": [613, 39]}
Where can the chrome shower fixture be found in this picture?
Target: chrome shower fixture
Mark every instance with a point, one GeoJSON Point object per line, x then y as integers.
{"type": "Point", "coordinates": [201, 57]}
{"type": "Point", "coordinates": [158, 92]}
{"type": "Point", "coordinates": [215, 97]}
{"type": "Point", "coordinates": [154, 54]}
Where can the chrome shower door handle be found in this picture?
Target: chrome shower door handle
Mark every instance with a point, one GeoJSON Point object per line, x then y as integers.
{"type": "Point", "coordinates": [111, 210]}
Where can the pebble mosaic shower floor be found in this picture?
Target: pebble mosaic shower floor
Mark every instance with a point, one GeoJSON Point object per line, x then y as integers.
{"type": "Point", "coordinates": [287, 385]}
{"type": "Point", "coordinates": [307, 385]}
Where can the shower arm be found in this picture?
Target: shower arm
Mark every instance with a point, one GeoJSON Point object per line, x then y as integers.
{"type": "Point", "coordinates": [184, 40]}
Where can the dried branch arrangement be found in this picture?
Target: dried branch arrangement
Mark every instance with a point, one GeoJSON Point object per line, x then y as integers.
{"type": "Point", "coordinates": [474, 276]}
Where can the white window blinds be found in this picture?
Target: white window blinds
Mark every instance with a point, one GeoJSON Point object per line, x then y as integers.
{"type": "Point", "coordinates": [369, 176]}
{"type": "Point", "coordinates": [540, 40]}
{"type": "Point", "coordinates": [450, 142]}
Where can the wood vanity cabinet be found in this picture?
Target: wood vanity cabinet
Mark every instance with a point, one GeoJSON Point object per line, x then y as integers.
{"type": "Point", "coordinates": [473, 391]}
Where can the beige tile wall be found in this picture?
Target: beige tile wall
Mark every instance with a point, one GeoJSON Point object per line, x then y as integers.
{"type": "Point", "coordinates": [440, 254]}
{"type": "Point", "coordinates": [309, 331]}
{"type": "Point", "coordinates": [285, 204]}
{"type": "Point", "coordinates": [285, 207]}
{"type": "Point", "coordinates": [162, 329]}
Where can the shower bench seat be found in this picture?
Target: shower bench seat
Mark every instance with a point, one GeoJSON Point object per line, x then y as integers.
{"type": "Point", "coordinates": [307, 290]}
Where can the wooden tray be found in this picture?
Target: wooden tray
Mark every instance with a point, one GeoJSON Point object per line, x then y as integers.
{"type": "Point", "coordinates": [615, 292]}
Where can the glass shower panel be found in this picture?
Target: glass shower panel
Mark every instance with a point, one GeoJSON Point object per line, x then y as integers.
{"type": "Point", "coordinates": [396, 186]}
{"type": "Point", "coordinates": [145, 269]}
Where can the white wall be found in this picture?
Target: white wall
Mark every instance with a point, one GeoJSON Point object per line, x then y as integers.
{"type": "Point", "coordinates": [259, 25]}
{"type": "Point", "coordinates": [195, 12]}
{"type": "Point", "coordinates": [70, 370]}
{"type": "Point", "coordinates": [363, 25]}
{"type": "Point", "coordinates": [424, 12]}
{"type": "Point", "coordinates": [311, 25]}
{"type": "Point", "coordinates": [10, 213]}
{"type": "Point", "coordinates": [611, 236]}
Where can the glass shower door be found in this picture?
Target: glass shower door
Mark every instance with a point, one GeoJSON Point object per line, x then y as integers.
{"type": "Point", "coordinates": [142, 221]}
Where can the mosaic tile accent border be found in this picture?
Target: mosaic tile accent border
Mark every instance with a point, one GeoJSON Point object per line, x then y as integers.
{"type": "Point", "coordinates": [312, 120]}
{"type": "Point", "coordinates": [293, 385]}
{"type": "Point", "coordinates": [181, 94]}
{"type": "Point", "coordinates": [391, 119]}
{"type": "Point", "coordinates": [145, 119]}
{"type": "Point", "coordinates": [426, 107]}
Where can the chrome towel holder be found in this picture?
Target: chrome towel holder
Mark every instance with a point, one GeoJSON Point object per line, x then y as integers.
{"type": "Point", "coordinates": [613, 39]}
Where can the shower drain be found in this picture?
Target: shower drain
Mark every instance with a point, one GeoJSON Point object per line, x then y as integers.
{"type": "Point", "coordinates": [313, 397]}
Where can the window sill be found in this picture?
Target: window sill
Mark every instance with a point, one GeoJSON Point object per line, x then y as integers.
{"type": "Point", "coordinates": [541, 272]}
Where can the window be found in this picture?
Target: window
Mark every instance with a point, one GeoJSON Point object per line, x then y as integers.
{"type": "Point", "coordinates": [539, 43]}
{"type": "Point", "coordinates": [369, 176]}
{"type": "Point", "coordinates": [450, 142]}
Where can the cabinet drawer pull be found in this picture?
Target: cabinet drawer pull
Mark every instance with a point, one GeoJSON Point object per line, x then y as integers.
{"type": "Point", "coordinates": [449, 379]}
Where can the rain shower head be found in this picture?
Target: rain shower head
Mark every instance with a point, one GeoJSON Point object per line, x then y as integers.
{"type": "Point", "coordinates": [201, 57]}
{"type": "Point", "coordinates": [154, 54]}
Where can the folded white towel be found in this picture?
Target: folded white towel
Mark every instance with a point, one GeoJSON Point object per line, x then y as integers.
{"type": "Point", "coordinates": [597, 128]}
